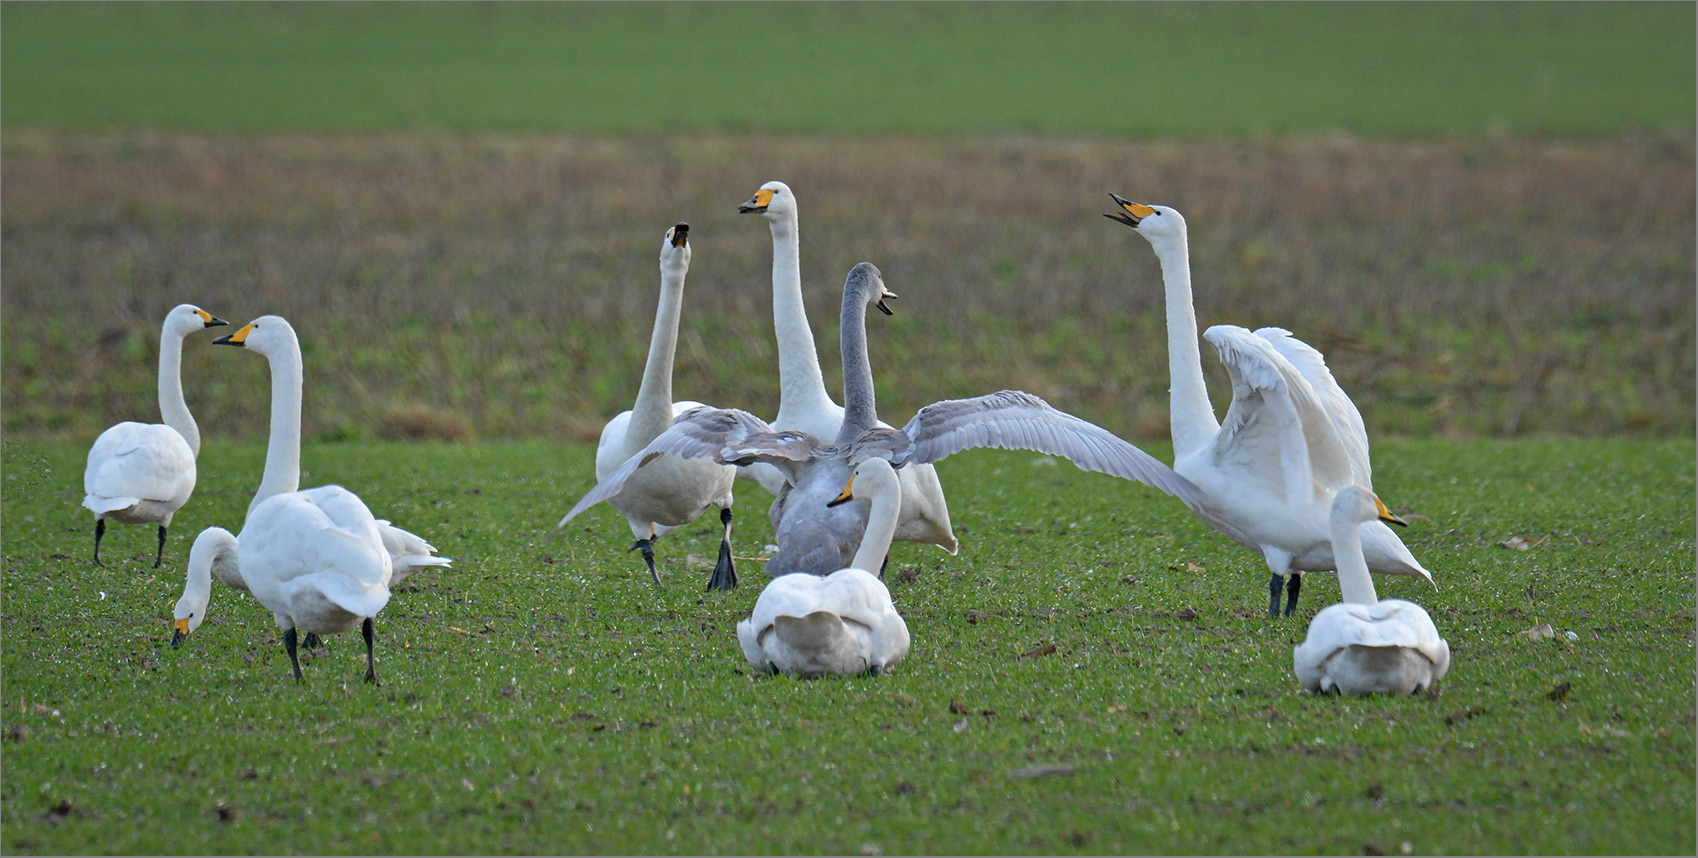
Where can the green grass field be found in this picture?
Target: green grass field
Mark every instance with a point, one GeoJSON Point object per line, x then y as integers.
{"type": "Point", "coordinates": [1191, 70]}
{"type": "Point", "coordinates": [550, 699]}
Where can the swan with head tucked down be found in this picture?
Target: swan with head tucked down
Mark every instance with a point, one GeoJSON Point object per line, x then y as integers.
{"type": "Point", "coordinates": [1363, 645]}
{"type": "Point", "coordinates": [1291, 439]}
{"type": "Point", "coordinates": [142, 473]}
{"type": "Point", "coordinates": [803, 403]}
{"type": "Point", "coordinates": [843, 623]}
{"type": "Point", "coordinates": [819, 539]}
{"type": "Point", "coordinates": [273, 338]}
{"type": "Point", "coordinates": [666, 492]}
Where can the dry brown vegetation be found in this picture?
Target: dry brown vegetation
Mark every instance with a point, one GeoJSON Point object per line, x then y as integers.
{"type": "Point", "coordinates": [1465, 288]}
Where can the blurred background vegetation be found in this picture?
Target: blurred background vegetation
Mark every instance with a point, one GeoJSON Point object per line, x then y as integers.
{"type": "Point", "coordinates": [1482, 213]}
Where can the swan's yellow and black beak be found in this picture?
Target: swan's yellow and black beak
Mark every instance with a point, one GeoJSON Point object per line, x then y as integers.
{"type": "Point", "coordinates": [1386, 516]}
{"type": "Point", "coordinates": [179, 631]}
{"type": "Point", "coordinates": [848, 493]}
{"type": "Point", "coordinates": [757, 203]}
{"type": "Point", "coordinates": [1130, 212]}
{"type": "Point", "coordinates": [679, 235]}
{"type": "Point", "coordinates": [238, 339]}
{"type": "Point", "coordinates": [884, 308]}
{"type": "Point", "coordinates": [208, 320]}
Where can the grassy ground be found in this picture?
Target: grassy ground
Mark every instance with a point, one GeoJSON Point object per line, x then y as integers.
{"type": "Point", "coordinates": [548, 698]}
{"type": "Point", "coordinates": [1193, 70]}
{"type": "Point", "coordinates": [1465, 288]}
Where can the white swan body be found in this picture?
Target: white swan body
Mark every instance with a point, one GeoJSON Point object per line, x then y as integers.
{"type": "Point", "coordinates": [1290, 441]}
{"type": "Point", "coordinates": [665, 492]}
{"type": "Point", "coordinates": [142, 473]}
{"type": "Point", "coordinates": [1363, 645]}
{"type": "Point", "coordinates": [273, 338]}
{"type": "Point", "coordinates": [803, 403]}
{"type": "Point", "coordinates": [843, 623]}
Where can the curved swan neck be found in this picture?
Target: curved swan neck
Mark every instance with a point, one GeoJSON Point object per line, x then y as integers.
{"type": "Point", "coordinates": [1192, 417]}
{"type": "Point", "coordinates": [214, 548]}
{"type": "Point", "coordinates": [860, 407]}
{"type": "Point", "coordinates": [881, 527]}
{"type": "Point", "coordinates": [283, 454]}
{"type": "Point", "coordinates": [172, 409]}
{"type": "Point", "coordinates": [801, 385]}
{"type": "Point", "coordinates": [652, 412]}
{"type": "Point", "coordinates": [1355, 585]}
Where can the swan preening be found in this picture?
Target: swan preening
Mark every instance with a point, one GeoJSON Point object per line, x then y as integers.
{"type": "Point", "coordinates": [842, 623]}
{"type": "Point", "coordinates": [665, 492]}
{"type": "Point", "coordinates": [819, 539]}
{"type": "Point", "coordinates": [803, 402]}
{"type": "Point", "coordinates": [1290, 442]}
{"type": "Point", "coordinates": [1363, 645]}
{"type": "Point", "coordinates": [141, 473]}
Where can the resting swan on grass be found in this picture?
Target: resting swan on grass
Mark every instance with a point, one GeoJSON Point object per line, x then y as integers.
{"type": "Point", "coordinates": [1363, 645]}
{"type": "Point", "coordinates": [142, 473]}
{"type": "Point", "coordinates": [843, 623]}
{"type": "Point", "coordinates": [803, 402]}
{"type": "Point", "coordinates": [1291, 439]}
{"type": "Point", "coordinates": [666, 492]}
{"type": "Point", "coordinates": [819, 539]}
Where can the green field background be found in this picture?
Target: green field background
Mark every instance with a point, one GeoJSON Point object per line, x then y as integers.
{"type": "Point", "coordinates": [1187, 69]}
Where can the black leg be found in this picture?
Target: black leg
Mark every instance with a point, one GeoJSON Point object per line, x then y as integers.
{"type": "Point", "coordinates": [369, 631]}
{"type": "Point", "coordinates": [647, 547]}
{"type": "Point", "coordinates": [1275, 584]}
{"type": "Point", "coordinates": [311, 641]}
{"type": "Point", "coordinates": [724, 570]}
{"type": "Point", "coordinates": [99, 531]}
{"type": "Point", "coordinates": [1293, 586]}
{"type": "Point", "coordinates": [289, 640]}
{"type": "Point", "coordinates": [772, 668]}
{"type": "Point", "coordinates": [160, 555]}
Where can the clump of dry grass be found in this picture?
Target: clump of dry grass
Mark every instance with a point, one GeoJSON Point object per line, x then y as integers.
{"type": "Point", "coordinates": [1468, 287]}
{"type": "Point", "coordinates": [423, 423]}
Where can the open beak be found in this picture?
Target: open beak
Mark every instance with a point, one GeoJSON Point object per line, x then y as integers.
{"type": "Point", "coordinates": [1130, 212]}
{"type": "Point", "coordinates": [757, 203]}
{"type": "Point", "coordinates": [884, 308]}
{"type": "Point", "coordinates": [680, 234]}
{"type": "Point", "coordinates": [848, 492]}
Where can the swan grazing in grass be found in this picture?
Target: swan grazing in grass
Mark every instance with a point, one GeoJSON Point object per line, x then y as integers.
{"type": "Point", "coordinates": [272, 337]}
{"type": "Point", "coordinates": [1363, 645]}
{"type": "Point", "coordinates": [819, 539]}
{"type": "Point", "coordinates": [1291, 439]}
{"type": "Point", "coordinates": [803, 402]}
{"type": "Point", "coordinates": [666, 492]}
{"type": "Point", "coordinates": [141, 473]}
{"type": "Point", "coordinates": [843, 623]}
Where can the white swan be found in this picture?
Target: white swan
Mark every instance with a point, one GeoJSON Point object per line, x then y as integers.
{"type": "Point", "coordinates": [141, 473]}
{"type": "Point", "coordinates": [1363, 645]}
{"type": "Point", "coordinates": [816, 538]}
{"type": "Point", "coordinates": [803, 403]}
{"type": "Point", "coordinates": [272, 337]}
{"type": "Point", "coordinates": [843, 623]}
{"type": "Point", "coordinates": [1290, 442]}
{"type": "Point", "coordinates": [667, 492]}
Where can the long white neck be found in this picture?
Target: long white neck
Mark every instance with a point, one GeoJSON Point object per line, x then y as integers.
{"type": "Point", "coordinates": [1355, 585]}
{"type": "Point", "coordinates": [283, 455]}
{"type": "Point", "coordinates": [653, 411]}
{"type": "Point", "coordinates": [886, 502]}
{"type": "Point", "coordinates": [1193, 418]}
{"type": "Point", "coordinates": [801, 385]}
{"type": "Point", "coordinates": [213, 550]}
{"type": "Point", "coordinates": [172, 408]}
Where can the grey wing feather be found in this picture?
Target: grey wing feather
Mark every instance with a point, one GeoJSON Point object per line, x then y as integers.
{"type": "Point", "coordinates": [1016, 420]}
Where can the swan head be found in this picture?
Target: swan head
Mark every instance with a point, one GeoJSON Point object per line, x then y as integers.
{"type": "Point", "coordinates": [185, 319]}
{"type": "Point", "coordinates": [1157, 224]}
{"type": "Point", "coordinates": [1355, 504]}
{"type": "Point", "coordinates": [875, 477]}
{"type": "Point", "coordinates": [866, 283]}
{"type": "Point", "coordinates": [267, 335]}
{"type": "Point", "coordinates": [675, 249]}
{"type": "Point", "coordinates": [773, 201]}
{"type": "Point", "coordinates": [214, 546]}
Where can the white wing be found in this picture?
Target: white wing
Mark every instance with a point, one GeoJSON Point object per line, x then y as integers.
{"type": "Point", "coordinates": [1276, 431]}
{"type": "Point", "coordinates": [408, 552]}
{"type": "Point", "coordinates": [322, 530]}
{"type": "Point", "coordinates": [1347, 421]}
{"type": "Point", "coordinates": [1016, 420]}
{"type": "Point", "coordinates": [133, 462]}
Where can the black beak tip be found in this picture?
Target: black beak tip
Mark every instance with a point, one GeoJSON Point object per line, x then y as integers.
{"type": "Point", "coordinates": [225, 341]}
{"type": "Point", "coordinates": [836, 501]}
{"type": "Point", "coordinates": [750, 208]}
{"type": "Point", "coordinates": [176, 638]}
{"type": "Point", "coordinates": [884, 308]}
{"type": "Point", "coordinates": [680, 234]}
{"type": "Point", "coordinates": [216, 322]}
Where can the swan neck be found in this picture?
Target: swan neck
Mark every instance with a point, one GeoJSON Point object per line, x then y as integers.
{"type": "Point", "coordinates": [801, 384]}
{"type": "Point", "coordinates": [652, 412]}
{"type": "Point", "coordinates": [860, 408]}
{"type": "Point", "coordinates": [1355, 585]}
{"type": "Point", "coordinates": [283, 453]}
{"type": "Point", "coordinates": [1192, 417]}
{"type": "Point", "coordinates": [172, 408]}
{"type": "Point", "coordinates": [881, 527]}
